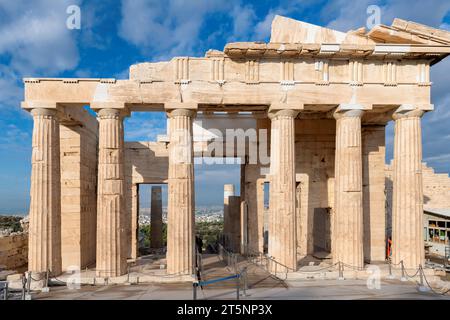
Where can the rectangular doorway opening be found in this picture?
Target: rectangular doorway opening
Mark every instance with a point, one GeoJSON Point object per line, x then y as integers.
{"type": "Point", "coordinates": [152, 221]}
{"type": "Point", "coordinates": [218, 203]}
{"type": "Point", "coordinates": [322, 230]}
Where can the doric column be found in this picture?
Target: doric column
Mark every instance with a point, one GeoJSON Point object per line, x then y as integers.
{"type": "Point", "coordinates": [282, 221]}
{"type": "Point", "coordinates": [347, 241]}
{"type": "Point", "coordinates": [407, 212]}
{"type": "Point", "coordinates": [156, 227]}
{"type": "Point", "coordinates": [180, 229]}
{"type": "Point", "coordinates": [44, 253]}
{"type": "Point", "coordinates": [111, 258]}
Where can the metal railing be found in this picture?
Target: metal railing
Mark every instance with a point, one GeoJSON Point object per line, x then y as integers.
{"type": "Point", "coordinates": [4, 290]}
{"type": "Point", "coordinates": [230, 258]}
{"type": "Point", "coordinates": [447, 257]}
{"type": "Point", "coordinates": [268, 263]}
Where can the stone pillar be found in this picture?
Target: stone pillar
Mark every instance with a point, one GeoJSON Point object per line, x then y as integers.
{"type": "Point", "coordinates": [44, 253]}
{"type": "Point", "coordinates": [79, 163]}
{"type": "Point", "coordinates": [156, 226]}
{"type": "Point", "coordinates": [228, 191]}
{"type": "Point", "coordinates": [407, 215]}
{"type": "Point", "coordinates": [181, 219]}
{"type": "Point", "coordinates": [282, 220]}
{"type": "Point", "coordinates": [111, 254]}
{"type": "Point", "coordinates": [244, 227]}
{"type": "Point", "coordinates": [347, 235]}
{"type": "Point", "coordinates": [132, 193]}
{"type": "Point", "coordinates": [374, 200]}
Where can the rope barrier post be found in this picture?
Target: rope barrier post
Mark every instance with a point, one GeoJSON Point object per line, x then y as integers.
{"type": "Point", "coordinates": [128, 276]}
{"type": "Point", "coordinates": [46, 289]}
{"type": "Point", "coordinates": [403, 278]}
{"type": "Point", "coordinates": [422, 287]}
{"type": "Point", "coordinates": [5, 291]}
{"type": "Point", "coordinates": [244, 275]}
{"type": "Point", "coordinates": [341, 271]}
{"type": "Point", "coordinates": [24, 284]}
{"type": "Point", "coordinates": [391, 275]}
{"type": "Point", "coordinates": [276, 268]}
{"type": "Point", "coordinates": [28, 294]}
{"type": "Point", "coordinates": [238, 284]}
{"type": "Point", "coordinates": [194, 290]}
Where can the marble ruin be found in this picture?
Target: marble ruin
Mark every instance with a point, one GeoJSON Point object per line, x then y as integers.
{"type": "Point", "coordinates": [323, 97]}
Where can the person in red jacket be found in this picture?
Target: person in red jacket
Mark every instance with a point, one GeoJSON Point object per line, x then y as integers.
{"type": "Point", "coordinates": [389, 248]}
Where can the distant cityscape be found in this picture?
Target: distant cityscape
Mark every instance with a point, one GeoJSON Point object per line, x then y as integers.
{"type": "Point", "coordinates": [210, 213]}
{"type": "Point", "coordinates": [202, 214]}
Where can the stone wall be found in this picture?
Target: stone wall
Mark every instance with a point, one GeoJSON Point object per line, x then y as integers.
{"type": "Point", "coordinates": [78, 195]}
{"type": "Point", "coordinates": [436, 191]}
{"type": "Point", "coordinates": [13, 251]}
{"type": "Point", "coordinates": [315, 152]}
{"type": "Point", "coordinates": [315, 149]}
{"type": "Point", "coordinates": [374, 151]}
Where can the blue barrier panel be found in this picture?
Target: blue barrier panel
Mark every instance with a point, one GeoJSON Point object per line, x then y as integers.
{"type": "Point", "coordinates": [205, 283]}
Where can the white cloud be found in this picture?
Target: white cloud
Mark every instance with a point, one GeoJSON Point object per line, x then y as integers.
{"type": "Point", "coordinates": [243, 23]}
{"type": "Point", "coordinates": [264, 27]}
{"type": "Point", "coordinates": [439, 158]}
{"type": "Point", "coordinates": [11, 92]}
{"type": "Point", "coordinates": [35, 37]}
{"type": "Point", "coordinates": [14, 139]}
{"type": "Point", "coordinates": [145, 126]}
{"type": "Point", "coordinates": [175, 27]}
{"type": "Point", "coordinates": [166, 28]}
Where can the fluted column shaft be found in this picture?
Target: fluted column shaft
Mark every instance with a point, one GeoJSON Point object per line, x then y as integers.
{"type": "Point", "coordinates": [44, 253]}
{"type": "Point", "coordinates": [111, 257]}
{"type": "Point", "coordinates": [180, 229]}
{"type": "Point", "coordinates": [156, 227]}
{"type": "Point", "coordinates": [282, 221]}
{"type": "Point", "coordinates": [347, 241]}
{"type": "Point", "coordinates": [407, 213]}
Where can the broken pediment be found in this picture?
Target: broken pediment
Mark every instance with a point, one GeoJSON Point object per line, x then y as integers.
{"type": "Point", "coordinates": [286, 30]}
{"type": "Point", "coordinates": [407, 32]}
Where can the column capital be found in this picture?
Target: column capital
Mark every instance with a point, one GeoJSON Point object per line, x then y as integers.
{"type": "Point", "coordinates": [43, 112]}
{"type": "Point", "coordinates": [407, 111]}
{"type": "Point", "coordinates": [181, 105]}
{"type": "Point", "coordinates": [350, 113]}
{"type": "Point", "coordinates": [286, 113]}
{"type": "Point", "coordinates": [96, 105]}
{"type": "Point", "coordinates": [281, 106]}
{"type": "Point", "coordinates": [109, 114]}
{"type": "Point", "coordinates": [181, 113]}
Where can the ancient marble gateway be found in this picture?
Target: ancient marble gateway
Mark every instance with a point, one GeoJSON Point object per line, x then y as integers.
{"type": "Point", "coordinates": [323, 96]}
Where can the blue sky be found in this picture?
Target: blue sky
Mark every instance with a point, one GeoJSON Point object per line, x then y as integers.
{"type": "Point", "coordinates": [114, 34]}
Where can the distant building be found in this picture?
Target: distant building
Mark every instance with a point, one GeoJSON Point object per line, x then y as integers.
{"type": "Point", "coordinates": [437, 230]}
